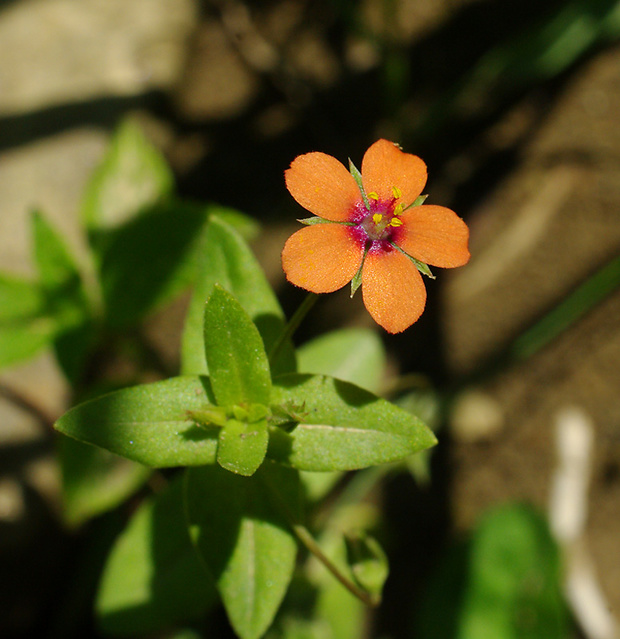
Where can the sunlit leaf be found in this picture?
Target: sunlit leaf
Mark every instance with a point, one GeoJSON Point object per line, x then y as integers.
{"type": "Point", "coordinates": [229, 262]}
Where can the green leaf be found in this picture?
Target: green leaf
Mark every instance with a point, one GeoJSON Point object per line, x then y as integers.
{"type": "Point", "coordinates": [242, 446]}
{"type": "Point", "coordinates": [238, 364]}
{"type": "Point", "coordinates": [132, 176]}
{"type": "Point", "coordinates": [239, 528]}
{"type": "Point", "coordinates": [368, 562]}
{"type": "Point", "coordinates": [60, 277]}
{"type": "Point", "coordinates": [344, 427]}
{"type": "Point", "coordinates": [149, 259]}
{"type": "Point", "coordinates": [67, 302]}
{"type": "Point", "coordinates": [150, 424]}
{"type": "Point", "coordinates": [504, 584]}
{"type": "Point", "coordinates": [153, 577]}
{"type": "Point", "coordinates": [354, 355]}
{"type": "Point", "coordinates": [20, 298]}
{"type": "Point", "coordinates": [229, 262]}
{"type": "Point", "coordinates": [20, 340]}
{"type": "Point", "coordinates": [247, 227]}
{"type": "Point", "coordinates": [94, 480]}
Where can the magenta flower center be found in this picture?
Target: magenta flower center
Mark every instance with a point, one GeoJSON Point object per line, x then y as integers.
{"type": "Point", "coordinates": [380, 225]}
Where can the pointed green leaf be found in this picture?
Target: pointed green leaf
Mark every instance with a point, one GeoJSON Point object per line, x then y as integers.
{"type": "Point", "coordinates": [132, 176]}
{"type": "Point", "coordinates": [20, 298]}
{"type": "Point", "coordinates": [344, 427]}
{"type": "Point", "coordinates": [238, 365]}
{"type": "Point", "coordinates": [24, 329]}
{"type": "Point", "coordinates": [238, 526]}
{"type": "Point", "coordinates": [59, 275]}
{"type": "Point", "coordinates": [150, 424]}
{"type": "Point", "coordinates": [149, 259]}
{"type": "Point", "coordinates": [94, 480]}
{"type": "Point", "coordinates": [354, 355]}
{"type": "Point", "coordinates": [23, 339]}
{"type": "Point", "coordinates": [229, 262]}
{"type": "Point", "coordinates": [242, 446]}
{"type": "Point", "coordinates": [153, 577]}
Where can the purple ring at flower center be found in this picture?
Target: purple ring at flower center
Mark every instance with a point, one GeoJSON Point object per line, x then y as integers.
{"type": "Point", "coordinates": [373, 229]}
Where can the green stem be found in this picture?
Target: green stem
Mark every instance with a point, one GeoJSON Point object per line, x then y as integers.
{"type": "Point", "coordinates": [292, 325]}
{"type": "Point", "coordinates": [308, 541]}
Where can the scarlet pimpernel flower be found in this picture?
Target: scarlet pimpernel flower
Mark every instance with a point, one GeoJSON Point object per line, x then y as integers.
{"type": "Point", "coordinates": [372, 230]}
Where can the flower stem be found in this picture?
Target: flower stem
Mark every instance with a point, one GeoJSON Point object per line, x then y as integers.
{"type": "Point", "coordinates": [292, 325]}
{"type": "Point", "coordinates": [304, 536]}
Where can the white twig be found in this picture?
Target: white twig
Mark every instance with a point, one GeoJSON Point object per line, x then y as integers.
{"type": "Point", "coordinates": [567, 518]}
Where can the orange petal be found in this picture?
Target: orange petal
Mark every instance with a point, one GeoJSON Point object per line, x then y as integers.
{"type": "Point", "coordinates": [385, 166]}
{"type": "Point", "coordinates": [321, 258]}
{"type": "Point", "coordinates": [323, 186]}
{"type": "Point", "coordinates": [393, 290]}
{"type": "Point", "coordinates": [434, 235]}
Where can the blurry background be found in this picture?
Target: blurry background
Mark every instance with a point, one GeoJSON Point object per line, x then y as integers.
{"type": "Point", "coordinates": [513, 104]}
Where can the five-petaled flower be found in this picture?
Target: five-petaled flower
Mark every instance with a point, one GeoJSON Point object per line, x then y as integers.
{"type": "Point", "coordinates": [371, 226]}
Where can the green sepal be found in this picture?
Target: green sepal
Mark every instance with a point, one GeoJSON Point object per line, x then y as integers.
{"type": "Point", "coordinates": [417, 202]}
{"type": "Point", "coordinates": [421, 266]}
{"type": "Point", "coordinates": [357, 176]}
{"type": "Point", "coordinates": [356, 282]}
{"type": "Point", "coordinates": [311, 221]}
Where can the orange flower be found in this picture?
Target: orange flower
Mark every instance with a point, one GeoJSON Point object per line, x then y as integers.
{"type": "Point", "coordinates": [371, 226]}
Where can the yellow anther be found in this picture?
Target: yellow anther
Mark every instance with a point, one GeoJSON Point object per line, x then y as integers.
{"type": "Point", "coordinates": [398, 209]}
{"type": "Point", "coordinates": [396, 191]}
{"type": "Point", "coordinates": [377, 217]}
{"type": "Point", "coordinates": [396, 222]}
{"type": "Point", "coordinates": [373, 196]}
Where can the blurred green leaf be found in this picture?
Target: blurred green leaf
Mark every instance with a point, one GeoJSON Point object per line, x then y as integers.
{"type": "Point", "coordinates": [66, 299]}
{"type": "Point", "coordinates": [20, 298]}
{"type": "Point", "coordinates": [150, 259]}
{"type": "Point", "coordinates": [24, 328]}
{"type": "Point", "coordinates": [238, 365]}
{"type": "Point", "coordinates": [132, 176]}
{"type": "Point", "coordinates": [21, 340]}
{"type": "Point", "coordinates": [94, 480]}
{"type": "Point", "coordinates": [344, 427]}
{"type": "Point", "coordinates": [354, 355]}
{"type": "Point", "coordinates": [60, 278]}
{"type": "Point", "coordinates": [150, 424]}
{"type": "Point", "coordinates": [153, 577]}
{"type": "Point", "coordinates": [240, 530]}
{"type": "Point", "coordinates": [229, 262]}
{"type": "Point", "coordinates": [368, 562]}
{"type": "Point", "coordinates": [505, 584]}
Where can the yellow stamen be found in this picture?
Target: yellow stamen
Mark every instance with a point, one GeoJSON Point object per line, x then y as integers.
{"type": "Point", "coordinates": [377, 217]}
{"type": "Point", "coordinates": [396, 191]}
{"type": "Point", "coordinates": [398, 209]}
{"type": "Point", "coordinates": [373, 196]}
{"type": "Point", "coordinates": [396, 222]}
